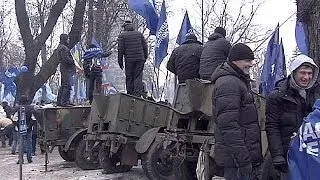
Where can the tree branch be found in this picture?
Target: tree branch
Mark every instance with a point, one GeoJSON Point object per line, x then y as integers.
{"type": "Point", "coordinates": [54, 14]}
{"type": "Point", "coordinates": [23, 22]}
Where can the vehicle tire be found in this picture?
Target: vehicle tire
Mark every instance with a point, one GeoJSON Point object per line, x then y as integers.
{"type": "Point", "coordinates": [268, 171]}
{"type": "Point", "coordinates": [87, 160]}
{"type": "Point", "coordinates": [111, 164]}
{"type": "Point", "coordinates": [156, 163]}
{"type": "Point", "coordinates": [68, 156]}
{"type": "Point", "coordinates": [185, 170]}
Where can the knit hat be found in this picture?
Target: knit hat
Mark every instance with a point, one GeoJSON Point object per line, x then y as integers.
{"type": "Point", "coordinates": [127, 22]}
{"type": "Point", "coordinates": [191, 37]}
{"type": "Point", "coordinates": [221, 31]}
{"type": "Point", "coordinates": [240, 51]}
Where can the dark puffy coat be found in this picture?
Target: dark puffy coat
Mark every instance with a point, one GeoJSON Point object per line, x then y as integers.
{"type": "Point", "coordinates": [215, 52]}
{"type": "Point", "coordinates": [67, 65]}
{"type": "Point", "coordinates": [237, 131]}
{"type": "Point", "coordinates": [132, 46]}
{"type": "Point", "coordinates": [285, 110]}
{"type": "Point", "coordinates": [185, 60]}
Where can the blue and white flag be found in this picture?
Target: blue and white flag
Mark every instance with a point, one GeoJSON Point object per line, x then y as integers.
{"type": "Point", "coordinates": [304, 154]}
{"type": "Point", "coordinates": [147, 10]}
{"type": "Point", "coordinates": [185, 30]}
{"type": "Point", "coordinates": [267, 79]}
{"type": "Point", "coordinates": [162, 37]}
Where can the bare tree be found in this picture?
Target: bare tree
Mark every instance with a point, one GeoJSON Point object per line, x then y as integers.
{"type": "Point", "coordinates": [237, 21]}
{"type": "Point", "coordinates": [308, 11]}
{"type": "Point", "coordinates": [28, 83]}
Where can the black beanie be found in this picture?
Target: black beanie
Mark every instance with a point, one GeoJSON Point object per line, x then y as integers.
{"type": "Point", "coordinates": [191, 37]}
{"type": "Point", "coordinates": [64, 37]}
{"type": "Point", "coordinates": [221, 31]}
{"type": "Point", "coordinates": [240, 51]}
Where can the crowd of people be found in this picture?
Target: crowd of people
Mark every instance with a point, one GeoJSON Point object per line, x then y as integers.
{"type": "Point", "coordinates": [238, 146]}
{"type": "Point", "coordinates": [237, 131]}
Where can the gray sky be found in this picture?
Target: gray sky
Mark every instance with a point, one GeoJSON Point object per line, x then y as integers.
{"type": "Point", "coordinates": [270, 13]}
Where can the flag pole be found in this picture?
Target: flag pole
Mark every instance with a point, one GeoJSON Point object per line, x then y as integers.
{"type": "Point", "coordinates": [202, 23]}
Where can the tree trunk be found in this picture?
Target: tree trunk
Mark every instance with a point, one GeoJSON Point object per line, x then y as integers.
{"type": "Point", "coordinates": [27, 83]}
{"type": "Point", "coordinates": [313, 24]}
{"type": "Point", "coordinates": [90, 22]}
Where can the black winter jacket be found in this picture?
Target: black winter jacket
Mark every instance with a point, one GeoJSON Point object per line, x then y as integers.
{"type": "Point", "coordinates": [185, 60]}
{"type": "Point", "coordinates": [132, 46]}
{"type": "Point", "coordinates": [67, 65]}
{"type": "Point", "coordinates": [237, 130]}
{"type": "Point", "coordinates": [285, 110]}
{"type": "Point", "coordinates": [215, 52]}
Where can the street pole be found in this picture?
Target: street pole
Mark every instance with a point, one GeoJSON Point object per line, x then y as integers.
{"type": "Point", "coordinates": [202, 19]}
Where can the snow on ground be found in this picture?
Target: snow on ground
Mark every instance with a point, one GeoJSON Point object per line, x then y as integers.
{"type": "Point", "coordinates": [57, 169]}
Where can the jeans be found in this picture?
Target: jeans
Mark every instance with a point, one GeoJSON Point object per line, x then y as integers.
{"type": "Point", "coordinates": [15, 137]}
{"type": "Point", "coordinates": [232, 174]}
{"type": "Point", "coordinates": [27, 143]}
{"type": "Point", "coordinates": [34, 143]}
{"type": "Point", "coordinates": [95, 83]}
{"type": "Point", "coordinates": [63, 98]}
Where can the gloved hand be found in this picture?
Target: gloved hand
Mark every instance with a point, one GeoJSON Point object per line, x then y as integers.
{"type": "Point", "coordinates": [245, 170]}
{"type": "Point", "coordinates": [280, 164]}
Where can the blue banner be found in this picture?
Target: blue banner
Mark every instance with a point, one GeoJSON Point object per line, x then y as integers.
{"type": "Point", "coordinates": [147, 10]}
{"type": "Point", "coordinates": [303, 155]}
{"type": "Point", "coordinates": [267, 79]}
{"type": "Point", "coordinates": [162, 37]}
{"type": "Point", "coordinates": [280, 69]}
{"type": "Point", "coordinates": [302, 38]}
{"type": "Point", "coordinates": [185, 30]}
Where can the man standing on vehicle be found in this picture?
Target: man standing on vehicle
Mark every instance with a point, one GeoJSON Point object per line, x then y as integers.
{"type": "Point", "coordinates": [185, 59]}
{"type": "Point", "coordinates": [133, 47]}
{"type": "Point", "coordinates": [67, 69]}
{"type": "Point", "coordinates": [92, 65]}
{"type": "Point", "coordinates": [287, 106]}
{"type": "Point", "coordinates": [215, 52]}
{"type": "Point", "coordinates": [237, 131]}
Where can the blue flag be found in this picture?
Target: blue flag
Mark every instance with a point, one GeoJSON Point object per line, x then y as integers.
{"type": "Point", "coordinates": [147, 10]}
{"type": "Point", "coordinates": [185, 30]}
{"type": "Point", "coordinates": [303, 154]}
{"type": "Point", "coordinates": [280, 70]}
{"type": "Point", "coordinates": [267, 79]}
{"type": "Point", "coordinates": [162, 37]}
{"type": "Point", "coordinates": [302, 38]}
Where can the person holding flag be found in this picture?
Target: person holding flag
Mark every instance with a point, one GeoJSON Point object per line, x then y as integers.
{"type": "Point", "coordinates": [215, 52]}
{"type": "Point", "coordinates": [287, 106]}
{"type": "Point", "coordinates": [132, 46]}
{"type": "Point", "coordinates": [185, 59]}
{"type": "Point", "coordinates": [92, 66]}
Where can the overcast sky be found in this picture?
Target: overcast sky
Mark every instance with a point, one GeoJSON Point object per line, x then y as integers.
{"type": "Point", "coordinates": [270, 13]}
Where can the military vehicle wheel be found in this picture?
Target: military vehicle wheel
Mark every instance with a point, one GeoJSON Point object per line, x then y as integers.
{"type": "Point", "coordinates": [185, 170]}
{"type": "Point", "coordinates": [87, 160]}
{"type": "Point", "coordinates": [268, 171]}
{"type": "Point", "coordinates": [157, 162]}
{"type": "Point", "coordinates": [68, 156]}
{"type": "Point", "coordinates": [111, 164]}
